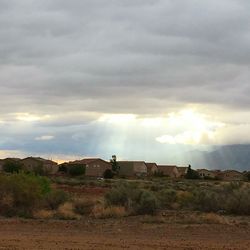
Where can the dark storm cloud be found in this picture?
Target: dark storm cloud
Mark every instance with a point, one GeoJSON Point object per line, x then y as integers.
{"type": "Point", "coordinates": [63, 58]}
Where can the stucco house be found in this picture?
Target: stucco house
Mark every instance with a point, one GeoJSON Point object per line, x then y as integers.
{"type": "Point", "coordinates": [182, 171]}
{"type": "Point", "coordinates": [169, 170]}
{"type": "Point", "coordinates": [95, 167]}
{"type": "Point", "coordinates": [204, 173]}
{"type": "Point", "coordinates": [132, 168]}
{"type": "Point", "coordinates": [39, 164]}
{"type": "Point", "coordinates": [152, 168]}
{"type": "Point", "coordinates": [232, 175]}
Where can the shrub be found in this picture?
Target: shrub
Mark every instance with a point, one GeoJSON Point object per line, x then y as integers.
{"type": "Point", "coordinates": [108, 174]}
{"type": "Point", "coordinates": [192, 174]}
{"type": "Point", "coordinates": [12, 166]}
{"type": "Point", "coordinates": [63, 168]}
{"type": "Point", "coordinates": [167, 197]}
{"type": "Point", "coordinates": [20, 194]}
{"type": "Point", "coordinates": [76, 169]}
{"type": "Point", "coordinates": [134, 199]}
{"type": "Point", "coordinates": [185, 199]}
{"type": "Point", "coordinates": [147, 203]}
{"type": "Point", "coordinates": [55, 199]}
{"type": "Point", "coordinates": [247, 176]}
{"type": "Point", "coordinates": [83, 207]}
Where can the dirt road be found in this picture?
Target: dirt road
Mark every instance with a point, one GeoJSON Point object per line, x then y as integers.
{"type": "Point", "coordinates": [128, 233]}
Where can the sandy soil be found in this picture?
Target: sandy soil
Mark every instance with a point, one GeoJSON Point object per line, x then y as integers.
{"type": "Point", "coordinates": [128, 233]}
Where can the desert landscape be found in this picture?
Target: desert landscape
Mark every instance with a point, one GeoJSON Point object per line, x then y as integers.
{"type": "Point", "coordinates": [84, 219]}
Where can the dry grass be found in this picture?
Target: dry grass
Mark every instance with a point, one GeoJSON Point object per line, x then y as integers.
{"type": "Point", "coordinates": [66, 212]}
{"type": "Point", "coordinates": [43, 214]}
{"type": "Point", "coordinates": [102, 212]}
{"type": "Point", "coordinates": [83, 206]}
{"type": "Point", "coordinates": [212, 218]}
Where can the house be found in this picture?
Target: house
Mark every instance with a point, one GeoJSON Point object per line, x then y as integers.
{"type": "Point", "coordinates": [232, 175]}
{"type": "Point", "coordinates": [132, 168]}
{"type": "Point", "coordinates": [182, 171]}
{"type": "Point", "coordinates": [38, 164]}
{"type": "Point", "coordinates": [169, 170]}
{"type": "Point", "coordinates": [151, 168]}
{"type": "Point", "coordinates": [95, 167]}
{"type": "Point", "coordinates": [204, 173]}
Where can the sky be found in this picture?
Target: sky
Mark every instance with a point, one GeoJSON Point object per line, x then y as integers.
{"type": "Point", "coordinates": [142, 79]}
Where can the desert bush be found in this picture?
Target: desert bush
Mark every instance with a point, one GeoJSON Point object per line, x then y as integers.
{"type": "Point", "coordinates": [166, 197]}
{"type": "Point", "coordinates": [184, 199]}
{"type": "Point", "coordinates": [83, 206]}
{"type": "Point", "coordinates": [134, 199]}
{"type": "Point", "coordinates": [108, 174]}
{"type": "Point", "coordinates": [56, 198]}
{"type": "Point", "coordinates": [207, 201]}
{"type": "Point", "coordinates": [147, 203]}
{"type": "Point", "coordinates": [232, 198]}
{"type": "Point", "coordinates": [20, 194]}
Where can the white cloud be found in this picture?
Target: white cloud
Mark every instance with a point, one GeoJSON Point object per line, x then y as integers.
{"type": "Point", "coordinates": [45, 138]}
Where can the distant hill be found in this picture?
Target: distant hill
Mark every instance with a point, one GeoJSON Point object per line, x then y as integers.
{"type": "Point", "coordinates": [222, 157]}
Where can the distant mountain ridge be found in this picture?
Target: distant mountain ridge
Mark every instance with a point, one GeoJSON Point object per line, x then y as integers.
{"type": "Point", "coordinates": [222, 157]}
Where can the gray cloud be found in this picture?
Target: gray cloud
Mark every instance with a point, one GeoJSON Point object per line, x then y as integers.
{"type": "Point", "coordinates": [65, 58]}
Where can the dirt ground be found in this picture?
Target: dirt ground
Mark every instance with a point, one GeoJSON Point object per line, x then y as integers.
{"type": "Point", "coordinates": [126, 233]}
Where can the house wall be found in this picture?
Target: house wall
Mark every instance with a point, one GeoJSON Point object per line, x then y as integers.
{"type": "Point", "coordinates": [126, 169]}
{"type": "Point", "coordinates": [140, 168]}
{"type": "Point", "coordinates": [30, 164]}
{"type": "Point", "coordinates": [97, 168]}
{"type": "Point", "coordinates": [169, 171]}
{"type": "Point", "coordinates": [151, 168]}
{"type": "Point", "coordinates": [205, 173]}
{"type": "Point", "coordinates": [232, 176]}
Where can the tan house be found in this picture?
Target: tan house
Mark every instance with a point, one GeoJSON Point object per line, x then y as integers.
{"type": "Point", "coordinates": [152, 168]}
{"type": "Point", "coordinates": [132, 168]}
{"type": "Point", "coordinates": [169, 170]}
{"type": "Point", "coordinates": [37, 164]}
{"type": "Point", "coordinates": [204, 173]}
{"type": "Point", "coordinates": [182, 171]}
{"type": "Point", "coordinates": [232, 175]}
{"type": "Point", "coordinates": [95, 167]}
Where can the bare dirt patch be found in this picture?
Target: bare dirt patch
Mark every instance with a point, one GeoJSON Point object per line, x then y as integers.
{"type": "Point", "coordinates": [126, 233]}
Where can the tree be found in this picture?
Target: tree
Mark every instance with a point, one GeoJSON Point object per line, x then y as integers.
{"type": "Point", "coordinates": [76, 169]}
{"type": "Point", "coordinates": [248, 176]}
{"type": "Point", "coordinates": [115, 166]}
{"type": "Point", "coordinates": [192, 174]}
{"type": "Point", "coordinates": [12, 166]}
{"type": "Point", "coordinates": [108, 174]}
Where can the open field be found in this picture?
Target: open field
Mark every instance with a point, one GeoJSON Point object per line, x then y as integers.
{"type": "Point", "coordinates": [126, 233]}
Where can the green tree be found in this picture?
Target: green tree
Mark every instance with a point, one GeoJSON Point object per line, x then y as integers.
{"type": "Point", "coordinates": [12, 166]}
{"type": "Point", "coordinates": [192, 174]}
{"type": "Point", "coordinates": [108, 174]}
{"type": "Point", "coordinates": [115, 166]}
{"type": "Point", "coordinates": [76, 169]}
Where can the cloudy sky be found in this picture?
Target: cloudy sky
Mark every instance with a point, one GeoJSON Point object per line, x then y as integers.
{"type": "Point", "coordinates": [143, 79]}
